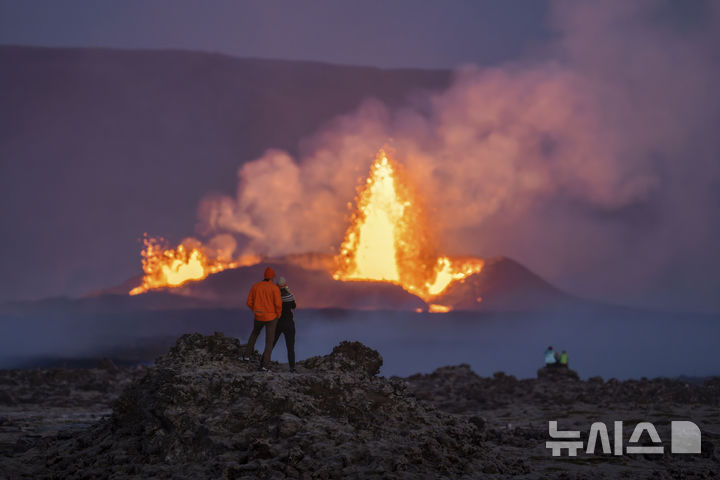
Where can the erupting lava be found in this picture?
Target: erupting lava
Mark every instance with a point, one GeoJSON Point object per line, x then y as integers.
{"type": "Point", "coordinates": [167, 267]}
{"type": "Point", "coordinates": [389, 240]}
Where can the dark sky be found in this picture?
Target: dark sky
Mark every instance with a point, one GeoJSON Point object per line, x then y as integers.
{"type": "Point", "coordinates": [584, 139]}
{"type": "Point", "coordinates": [399, 33]}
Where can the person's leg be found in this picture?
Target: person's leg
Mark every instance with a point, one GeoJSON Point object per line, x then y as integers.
{"type": "Point", "coordinates": [257, 327]}
{"type": "Point", "coordinates": [290, 344]}
{"type": "Point", "coordinates": [279, 329]}
{"type": "Point", "coordinates": [269, 339]}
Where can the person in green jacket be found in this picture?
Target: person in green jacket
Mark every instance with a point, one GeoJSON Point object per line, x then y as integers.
{"type": "Point", "coordinates": [564, 359]}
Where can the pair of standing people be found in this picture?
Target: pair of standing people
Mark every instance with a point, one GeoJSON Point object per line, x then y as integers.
{"type": "Point", "coordinates": [273, 307]}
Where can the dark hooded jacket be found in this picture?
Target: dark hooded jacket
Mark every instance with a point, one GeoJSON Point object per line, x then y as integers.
{"type": "Point", "coordinates": [288, 305]}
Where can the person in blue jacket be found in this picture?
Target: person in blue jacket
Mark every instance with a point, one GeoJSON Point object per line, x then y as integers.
{"type": "Point", "coordinates": [550, 360]}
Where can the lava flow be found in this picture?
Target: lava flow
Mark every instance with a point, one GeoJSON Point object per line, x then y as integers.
{"type": "Point", "coordinates": [389, 240]}
{"type": "Point", "coordinates": [168, 267]}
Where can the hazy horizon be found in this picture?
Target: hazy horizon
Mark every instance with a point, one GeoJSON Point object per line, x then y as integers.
{"type": "Point", "coordinates": [611, 343]}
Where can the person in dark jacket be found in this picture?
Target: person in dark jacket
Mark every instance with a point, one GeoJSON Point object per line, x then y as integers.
{"type": "Point", "coordinates": [286, 324]}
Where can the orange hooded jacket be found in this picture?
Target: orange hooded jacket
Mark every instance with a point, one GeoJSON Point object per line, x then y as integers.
{"type": "Point", "coordinates": [265, 301]}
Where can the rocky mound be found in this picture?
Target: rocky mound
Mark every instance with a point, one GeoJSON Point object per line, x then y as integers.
{"type": "Point", "coordinates": [558, 373]}
{"type": "Point", "coordinates": [353, 357]}
{"type": "Point", "coordinates": [202, 413]}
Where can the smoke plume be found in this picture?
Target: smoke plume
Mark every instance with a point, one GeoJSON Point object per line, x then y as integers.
{"type": "Point", "coordinates": [594, 160]}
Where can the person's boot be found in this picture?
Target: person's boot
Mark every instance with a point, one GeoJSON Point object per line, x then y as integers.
{"type": "Point", "coordinates": [262, 367]}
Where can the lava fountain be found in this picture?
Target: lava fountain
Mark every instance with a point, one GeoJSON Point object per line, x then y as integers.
{"type": "Point", "coordinates": [389, 239]}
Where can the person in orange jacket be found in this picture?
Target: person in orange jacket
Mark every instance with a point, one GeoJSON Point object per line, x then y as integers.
{"type": "Point", "coordinates": [266, 303]}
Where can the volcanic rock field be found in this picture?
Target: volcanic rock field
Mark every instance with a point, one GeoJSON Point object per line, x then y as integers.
{"type": "Point", "coordinates": [200, 412]}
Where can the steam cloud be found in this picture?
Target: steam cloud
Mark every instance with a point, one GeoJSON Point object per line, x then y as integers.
{"type": "Point", "coordinates": [596, 165]}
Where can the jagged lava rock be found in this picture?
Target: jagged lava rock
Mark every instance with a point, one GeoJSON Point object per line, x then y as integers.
{"type": "Point", "coordinates": [557, 373]}
{"type": "Point", "coordinates": [202, 413]}
{"type": "Point", "coordinates": [348, 357]}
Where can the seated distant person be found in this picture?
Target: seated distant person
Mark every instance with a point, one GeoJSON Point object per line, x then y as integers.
{"type": "Point", "coordinates": [564, 359]}
{"type": "Point", "coordinates": [550, 360]}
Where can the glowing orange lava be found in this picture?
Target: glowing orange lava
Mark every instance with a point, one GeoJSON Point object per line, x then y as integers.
{"type": "Point", "coordinates": [168, 267]}
{"type": "Point", "coordinates": [389, 240]}
{"type": "Point", "coordinates": [435, 308]}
